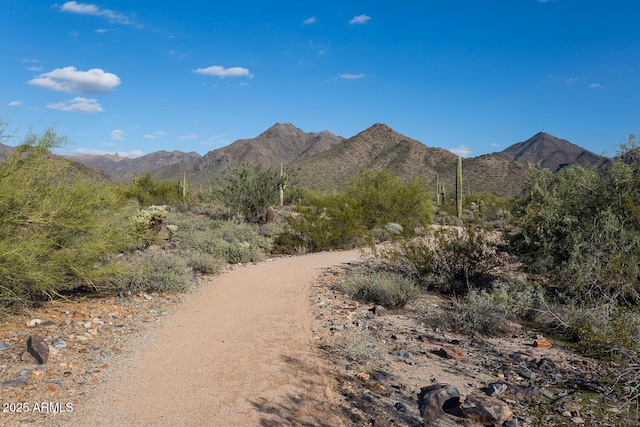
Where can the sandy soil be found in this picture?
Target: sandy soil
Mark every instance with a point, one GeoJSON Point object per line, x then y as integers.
{"type": "Point", "coordinates": [238, 353]}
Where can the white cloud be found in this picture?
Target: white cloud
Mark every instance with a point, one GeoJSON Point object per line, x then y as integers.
{"type": "Point", "coordinates": [78, 105]}
{"type": "Point", "coordinates": [349, 76]}
{"type": "Point", "coordinates": [69, 79]}
{"type": "Point", "coordinates": [34, 69]}
{"type": "Point", "coordinates": [219, 71]}
{"type": "Point", "coordinates": [15, 103]}
{"type": "Point", "coordinates": [360, 19]}
{"type": "Point", "coordinates": [100, 31]}
{"type": "Point", "coordinates": [310, 20]}
{"type": "Point", "coordinates": [117, 135]}
{"type": "Point", "coordinates": [93, 10]}
{"type": "Point", "coordinates": [322, 52]}
{"type": "Point", "coordinates": [595, 85]}
{"type": "Point", "coordinates": [155, 135]}
{"type": "Point", "coordinates": [188, 137]}
{"type": "Point", "coordinates": [461, 151]}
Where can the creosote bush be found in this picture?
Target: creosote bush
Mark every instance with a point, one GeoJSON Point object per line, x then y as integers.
{"type": "Point", "coordinates": [388, 289]}
{"type": "Point", "coordinates": [450, 260]}
{"type": "Point", "coordinates": [357, 349]}
{"type": "Point", "coordinates": [158, 271]}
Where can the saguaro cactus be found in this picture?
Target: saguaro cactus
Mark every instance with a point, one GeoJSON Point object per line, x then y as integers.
{"type": "Point", "coordinates": [437, 190]}
{"type": "Point", "coordinates": [459, 188]}
{"type": "Point", "coordinates": [282, 184]}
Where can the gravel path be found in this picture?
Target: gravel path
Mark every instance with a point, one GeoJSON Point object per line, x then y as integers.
{"type": "Point", "coordinates": [237, 353]}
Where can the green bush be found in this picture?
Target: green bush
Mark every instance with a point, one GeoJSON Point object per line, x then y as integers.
{"type": "Point", "coordinates": [451, 260]}
{"type": "Point", "coordinates": [234, 241]}
{"type": "Point", "coordinates": [248, 190]}
{"type": "Point", "coordinates": [59, 226]}
{"type": "Point", "coordinates": [382, 198]}
{"type": "Point", "coordinates": [145, 191]}
{"type": "Point", "coordinates": [202, 262]}
{"type": "Point", "coordinates": [330, 222]}
{"type": "Point", "coordinates": [388, 289]}
{"type": "Point", "coordinates": [364, 212]}
{"type": "Point", "coordinates": [580, 229]}
{"type": "Point", "coordinates": [157, 271]}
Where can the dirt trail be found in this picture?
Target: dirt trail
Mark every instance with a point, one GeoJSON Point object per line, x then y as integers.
{"type": "Point", "coordinates": [237, 353]}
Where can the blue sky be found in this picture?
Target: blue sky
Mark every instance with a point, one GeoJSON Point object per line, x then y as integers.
{"type": "Point", "coordinates": [473, 76]}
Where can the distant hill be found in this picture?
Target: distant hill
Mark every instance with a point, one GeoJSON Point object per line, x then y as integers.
{"type": "Point", "coordinates": [122, 168]}
{"type": "Point", "coordinates": [281, 143]}
{"type": "Point", "coordinates": [549, 152]}
{"type": "Point", "coordinates": [325, 162]}
{"type": "Point", "coordinates": [5, 150]}
{"type": "Point", "coordinates": [380, 147]}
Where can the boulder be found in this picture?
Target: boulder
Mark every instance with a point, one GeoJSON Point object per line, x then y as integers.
{"type": "Point", "coordinates": [436, 400]}
{"type": "Point", "coordinates": [486, 409]}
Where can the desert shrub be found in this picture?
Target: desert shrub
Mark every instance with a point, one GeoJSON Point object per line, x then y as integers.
{"type": "Point", "coordinates": [145, 191]}
{"type": "Point", "coordinates": [157, 271]}
{"type": "Point", "coordinates": [330, 222]}
{"type": "Point", "coordinates": [358, 349]}
{"type": "Point", "coordinates": [580, 229]}
{"type": "Point", "coordinates": [491, 311]}
{"type": "Point", "coordinates": [146, 224]}
{"type": "Point", "coordinates": [202, 262]}
{"type": "Point", "coordinates": [389, 289]}
{"type": "Point", "coordinates": [248, 190]}
{"type": "Point", "coordinates": [451, 260]}
{"type": "Point", "coordinates": [234, 241]}
{"type": "Point", "coordinates": [382, 198]}
{"type": "Point", "coordinates": [59, 228]}
{"type": "Point", "coordinates": [372, 201]}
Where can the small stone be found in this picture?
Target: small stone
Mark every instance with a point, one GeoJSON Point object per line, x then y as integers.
{"type": "Point", "coordinates": [400, 407]}
{"type": "Point", "coordinates": [34, 322]}
{"type": "Point", "coordinates": [541, 343]}
{"type": "Point", "coordinates": [379, 310]}
{"type": "Point", "coordinates": [577, 420]}
{"type": "Point", "coordinates": [4, 345]}
{"type": "Point", "coordinates": [496, 389]}
{"type": "Point", "coordinates": [486, 409]}
{"type": "Point", "coordinates": [59, 343]}
{"type": "Point", "coordinates": [513, 422]}
{"type": "Point", "coordinates": [363, 376]}
{"type": "Point", "coordinates": [451, 352]}
{"type": "Point", "coordinates": [402, 353]}
{"type": "Point", "coordinates": [38, 348]}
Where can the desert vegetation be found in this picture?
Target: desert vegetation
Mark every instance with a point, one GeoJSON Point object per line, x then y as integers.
{"type": "Point", "coordinates": [564, 257]}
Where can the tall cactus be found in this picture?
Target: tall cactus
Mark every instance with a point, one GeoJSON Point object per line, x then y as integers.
{"type": "Point", "coordinates": [282, 184]}
{"type": "Point", "coordinates": [437, 190]}
{"type": "Point", "coordinates": [459, 188]}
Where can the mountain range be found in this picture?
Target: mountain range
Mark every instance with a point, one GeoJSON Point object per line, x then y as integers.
{"type": "Point", "coordinates": [324, 161]}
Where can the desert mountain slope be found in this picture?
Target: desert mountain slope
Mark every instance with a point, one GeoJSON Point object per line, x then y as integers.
{"type": "Point", "coordinates": [380, 147]}
{"type": "Point", "coordinates": [550, 152]}
{"type": "Point", "coordinates": [123, 168]}
{"type": "Point", "coordinates": [281, 143]}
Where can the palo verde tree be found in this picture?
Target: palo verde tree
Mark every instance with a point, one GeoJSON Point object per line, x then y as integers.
{"type": "Point", "coordinates": [248, 189]}
{"type": "Point", "coordinates": [58, 227]}
{"type": "Point", "coordinates": [581, 228]}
